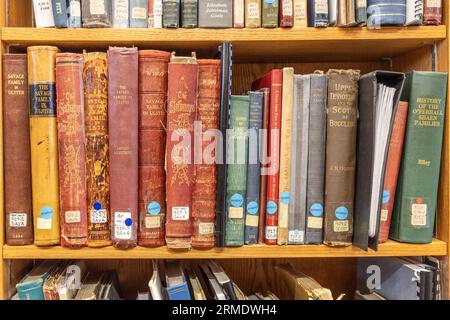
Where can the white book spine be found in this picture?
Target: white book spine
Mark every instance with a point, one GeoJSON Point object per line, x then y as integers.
{"type": "Point", "coordinates": [43, 13]}
{"type": "Point", "coordinates": [157, 14]}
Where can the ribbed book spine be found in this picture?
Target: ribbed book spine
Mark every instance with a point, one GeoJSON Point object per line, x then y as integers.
{"type": "Point", "coordinates": [43, 13]}
{"type": "Point", "coordinates": [171, 13]}
{"type": "Point", "coordinates": [123, 144]}
{"type": "Point", "coordinates": [189, 13]}
{"type": "Point", "coordinates": [237, 151]}
{"type": "Point", "coordinates": [254, 167]}
{"type": "Point", "coordinates": [153, 66]}
{"type": "Point", "coordinates": [286, 13]}
{"type": "Point", "coordinates": [138, 13]}
{"type": "Point", "coordinates": [181, 112]}
{"type": "Point", "coordinates": [60, 13]}
{"type": "Point", "coordinates": [95, 76]}
{"type": "Point", "coordinates": [96, 13]}
{"type": "Point", "coordinates": [43, 142]}
{"type": "Point", "coordinates": [316, 158]}
{"type": "Point", "coordinates": [269, 13]}
{"type": "Point", "coordinates": [16, 148]}
{"type": "Point", "coordinates": [72, 163]}
{"type": "Point", "coordinates": [204, 191]}
{"type": "Point", "coordinates": [120, 13]}
{"type": "Point", "coordinates": [253, 13]}
{"type": "Point", "coordinates": [300, 13]}
{"type": "Point", "coordinates": [74, 14]}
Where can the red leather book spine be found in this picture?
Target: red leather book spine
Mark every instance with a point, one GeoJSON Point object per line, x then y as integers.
{"type": "Point", "coordinates": [273, 80]}
{"type": "Point", "coordinates": [204, 192]}
{"type": "Point", "coordinates": [181, 111]}
{"type": "Point", "coordinates": [286, 13]}
{"type": "Point", "coordinates": [392, 168]}
{"type": "Point", "coordinates": [432, 12]}
{"type": "Point", "coordinates": [16, 147]}
{"type": "Point", "coordinates": [152, 86]}
{"type": "Point", "coordinates": [71, 152]}
{"type": "Point", "coordinates": [123, 144]}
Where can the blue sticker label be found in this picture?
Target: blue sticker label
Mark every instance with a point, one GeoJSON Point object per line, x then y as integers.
{"type": "Point", "coordinates": [236, 200]}
{"type": "Point", "coordinates": [271, 207]}
{"type": "Point", "coordinates": [154, 208]}
{"type": "Point", "coordinates": [269, 1]}
{"type": "Point", "coordinates": [285, 197]}
{"type": "Point", "coordinates": [341, 213]}
{"type": "Point", "coordinates": [46, 212]}
{"type": "Point", "coordinates": [128, 222]}
{"type": "Point", "coordinates": [386, 196]}
{"type": "Point", "coordinates": [97, 205]}
{"type": "Point", "coordinates": [316, 210]}
{"type": "Point", "coordinates": [252, 207]}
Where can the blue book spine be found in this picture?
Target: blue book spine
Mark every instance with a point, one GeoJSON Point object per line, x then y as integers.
{"type": "Point", "coordinates": [60, 13]}
{"type": "Point", "coordinates": [74, 14]}
{"type": "Point", "coordinates": [31, 290]}
{"type": "Point", "coordinates": [253, 168]}
{"type": "Point", "coordinates": [120, 13]}
{"type": "Point", "coordinates": [179, 292]}
{"type": "Point", "coordinates": [138, 13]}
{"type": "Point", "coordinates": [386, 12]}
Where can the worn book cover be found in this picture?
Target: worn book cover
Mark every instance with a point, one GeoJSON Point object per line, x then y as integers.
{"type": "Point", "coordinates": [252, 13]}
{"type": "Point", "coordinates": [318, 13]}
{"type": "Point", "coordinates": [432, 12]}
{"type": "Point", "coordinates": [300, 13]}
{"type": "Point", "coordinates": [189, 13]}
{"type": "Point", "coordinates": [60, 13]}
{"type": "Point", "coordinates": [286, 13]}
{"type": "Point", "coordinates": [138, 13]}
{"type": "Point", "coordinates": [120, 13]}
{"type": "Point", "coordinates": [270, 13]}
{"type": "Point", "coordinates": [170, 13]}
{"type": "Point", "coordinates": [96, 13]}
{"type": "Point", "coordinates": [74, 14]}
{"type": "Point", "coordinates": [238, 14]}
{"type": "Point", "coordinates": [43, 13]}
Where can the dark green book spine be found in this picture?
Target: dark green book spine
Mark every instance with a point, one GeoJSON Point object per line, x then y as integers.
{"type": "Point", "coordinates": [189, 13]}
{"type": "Point", "coordinates": [415, 203]}
{"type": "Point", "coordinates": [171, 13]}
{"type": "Point", "coordinates": [270, 13]}
{"type": "Point", "coordinates": [237, 150]}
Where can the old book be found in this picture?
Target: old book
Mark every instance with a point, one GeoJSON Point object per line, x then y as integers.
{"type": "Point", "coordinates": [414, 12]}
{"type": "Point", "coordinates": [138, 13]}
{"type": "Point", "coordinates": [171, 13]}
{"type": "Point", "coordinates": [238, 14]}
{"type": "Point", "coordinates": [181, 112]}
{"type": "Point", "coordinates": [351, 13]}
{"type": "Point", "coordinates": [31, 285]}
{"type": "Point", "coordinates": [54, 279]}
{"type": "Point", "coordinates": [189, 13]}
{"type": "Point", "coordinates": [332, 12]}
{"type": "Point", "coordinates": [120, 13]}
{"type": "Point", "coordinates": [152, 141]}
{"type": "Point", "coordinates": [361, 11]}
{"type": "Point", "coordinates": [204, 190]}
{"type": "Point", "coordinates": [342, 13]}
{"type": "Point", "coordinates": [413, 219]}
{"type": "Point", "coordinates": [316, 158]}
{"type": "Point", "coordinates": [237, 170]}
{"type": "Point", "coordinates": [72, 162]}
{"type": "Point", "coordinates": [74, 10]}
{"type": "Point", "coordinates": [157, 14]}
{"type": "Point", "coordinates": [285, 155]}
{"type": "Point", "coordinates": [432, 11]}
{"type": "Point", "coordinates": [43, 142]}
{"type": "Point", "coordinates": [300, 14]}
{"type": "Point", "coordinates": [252, 13]}
{"type": "Point", "coordinates": [272, 80]}
{"type": "Point", "coordinates": [96, 13]}
{"type": "Point", "coordinates": [215, 13]}
{"type": "Point", "coordinates": [286, 13]}
{"type": "Point", "coordinates": [60, 13]}
{"type": "Point", "coordinates": [318, 13]}
{"type": "Point", "coordinates": [269, 13]}
{"type": "Point", "coordinates": [340, 156]}
{"type": "Point", "coordinates": [43, 13]}
{"type": "Point", "coordinates": [90, 287]}
{"type": "Point", "coordinates": [150, 25]}
{"type": "Point", "coordinates": [392, 169]}
{"type": "Point", "coordinates": [392, 12]}
{"type": "Point", "coordinates": [299, 159]}
{"type": "Point", "coordinates": [16, 148]}
{"type": "Point", "coordinates": [254, 167]}
{"type": "Point", "coordinates": [95, 76]}
{"type": "Point", "coordinates": [123, 144]}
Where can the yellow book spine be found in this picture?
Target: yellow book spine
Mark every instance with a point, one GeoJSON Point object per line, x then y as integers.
{"type": "Point", "coordinates": [285, 155]}
{"type": "Point", "coordinates": [44, 144]}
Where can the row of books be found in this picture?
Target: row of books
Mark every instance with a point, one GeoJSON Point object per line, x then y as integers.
{"type": "Point", "coordinates": [234, 13]}
{"type": "Point", "coordinates": [156, 151]}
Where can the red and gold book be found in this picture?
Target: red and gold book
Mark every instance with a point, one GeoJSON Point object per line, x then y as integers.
{"type": "Point", "coordinates": [181, 112]}
{"type": "Point", "coordinates": [274, 81]}
{"type": "Point", "coordinates": [204, 192]}
{"type": "Point", "coordinates": [432, 12]}
{"type": "Point", "coordinates": [286, 13]}
{"type": "Point", "coordinates": [392, 169]}
{"type": "Point", "coordinates": [152, 86]}
{"type": "Point", "coordinates": [71, 152]}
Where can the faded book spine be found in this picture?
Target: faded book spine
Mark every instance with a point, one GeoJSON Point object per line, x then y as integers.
{"type": "Point", "coordinates": [157, 14]}
{"type": "Point", "coordinates": [204, 191]}
{"type": "Point", "coordinates": [318, 13]}
{"type": "Point", "coordinates": [238, 14]}
{"type": "Point", "coordinates": [138, 13]}
{"type": "Point", "coordinates": [95, 76]}
{"type": "Point", "coordinates": [286, 13]}
{"type": "Point", "coordinates": [181, 111]}
{"type": "Point", "coordinates": [153, 66]}
{"type": "Point", "coordinates": [300, 14]}
{"type": "Point", "coordinates": [74, 14]}
{"type": "Point", "coordinates": [72, 164]}
{"type": "Point", "coordinates": [269, 13]}
{"type": "Point", "coordinates": [171, 13]}
{"type": "Point", "coordinates": [151, 14]}
{"type": "Point", "coordinates": [361, 11]}
{"type": "Point", "coordinates": [340, 156]}
{"type": "Point", "coordinates": [96, 13]}
{"type": "Point", "coordinates": [60, 13]}
{"type": "Point", "coordinates": [252, 13]}
{"type": "Point", "coordinates": [123, 144]}
{"type": "Point", "coordinates": [189, 13]}
{"type": "Point", "coordinates": [16, 148]}
{"type": "Point", "coordinates": [432, 12]}
{"type": "Point", "coordinates": [120, 13]}
{"type": "Point", "coordinates": [43, 14]}
{"type": "Point", "coordinates": [43, 142]}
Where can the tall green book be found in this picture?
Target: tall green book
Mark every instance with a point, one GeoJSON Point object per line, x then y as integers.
{"type": "Point", "coordinates": [414, 213]}
{"type": "Point", "coordinates": [237, 170]}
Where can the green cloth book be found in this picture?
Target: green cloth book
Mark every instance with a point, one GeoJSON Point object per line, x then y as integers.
{"type": "Point", "coordinates": [237, 170]}
{"type": "Point", "coordinates": [414, 213]}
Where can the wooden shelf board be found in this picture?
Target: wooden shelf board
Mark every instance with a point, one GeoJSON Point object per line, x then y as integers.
{"type": "Point", "coordinates": [391, 248]}
{"type": "Point", "coordinates": [250, 45]}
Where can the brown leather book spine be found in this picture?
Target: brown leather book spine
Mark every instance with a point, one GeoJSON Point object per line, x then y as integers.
{"type": "Point", "coordinates": [16, 147]}
{"type": "Point", "coordinates": [340, 156]}
{"type": "Point", "coordinates": [181, 112]}
{"type": "Point", "coordinates": [432, 12]}
{"type": "Point", "coordinates": [123, 144]}
{"type": "Point", "coordinates": [71, 153]}
{"type": "Point", "coordinates": [204, 191]}
{"type": "Point", "coordinates": [153, 66]}
{"type": "Point", "coordinates": [95, 77]}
